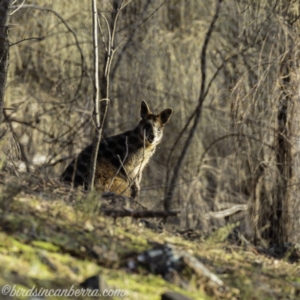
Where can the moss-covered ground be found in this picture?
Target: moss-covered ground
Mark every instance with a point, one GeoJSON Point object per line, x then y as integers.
{"type": "Point", "coordinates": [51, 240]}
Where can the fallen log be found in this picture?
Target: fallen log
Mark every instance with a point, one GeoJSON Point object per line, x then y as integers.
{"type": "Point", "coordinates": [138, 214]}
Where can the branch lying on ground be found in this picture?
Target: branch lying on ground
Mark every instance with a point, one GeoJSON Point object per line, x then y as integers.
{"type": "Point", "coordinates": [227, 212]}
{"type": "Point", "coordinates": [139, 214]}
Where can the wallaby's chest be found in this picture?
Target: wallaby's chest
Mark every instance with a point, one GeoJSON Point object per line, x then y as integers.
{"type": "Point", "coordinates": [126, 150]}
{"type": "Point", "coordinates": [138, 160]}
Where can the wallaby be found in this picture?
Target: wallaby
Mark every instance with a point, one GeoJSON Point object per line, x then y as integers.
{"type": "Point", "coordinates": [121, 158]}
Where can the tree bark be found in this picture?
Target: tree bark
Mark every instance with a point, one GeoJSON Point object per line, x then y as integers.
{"type": "Point", "coordinates": [280, 220]}
{"type": "Point", "coordinates": [294, 127]}
{"type": "Point", "coordinates": [4, 50]}
{"type": "Point", "coordinates": [294, 190]}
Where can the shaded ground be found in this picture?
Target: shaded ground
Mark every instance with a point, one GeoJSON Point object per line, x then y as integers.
{"type": "Point", "coordinates": [52, 238]}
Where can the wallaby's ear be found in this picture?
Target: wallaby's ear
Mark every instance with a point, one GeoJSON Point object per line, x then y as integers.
{"type": "Point", "coordinates": [165, 115]}
{"type": "Point", "coordinates": [145, 111]}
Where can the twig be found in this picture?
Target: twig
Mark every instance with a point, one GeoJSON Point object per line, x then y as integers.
{"type": "Point", "coordinates": [102, 34]}
{"type": "Point", "coordinates": [140, 167]}
{"type": "Point", "coordinates": [176, 143]}
{"type": "Point", "coordinates": [27, 39]}
{"type": "Point", "coordinates": [121, 164]}
{"type": "Point", "coordinates": [98, 134]}
{"type": "Point", "coordinates": [126, 46]}
{"type": "Point", "coordinates": [17, 7]}
{"type": "Point", "coordinates": [18, 143]}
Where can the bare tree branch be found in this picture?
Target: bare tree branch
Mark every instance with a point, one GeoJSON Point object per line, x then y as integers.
{"type": "Point", "coordinates": [96, 102]}
{"type": "Point", "coordinates": [169, 196]}
{"type": "Point", "coordinates": [83, 67]}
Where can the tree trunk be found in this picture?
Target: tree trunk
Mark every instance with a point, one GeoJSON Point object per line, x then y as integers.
{"type": "Point", "coordinates": [294, 188]}
{"type": "Point", "coordinates": [279, 219]}
{"type": "Point", "coordinates": [285, 220]}
{"type": "Point", "coordinates": [4, 47]}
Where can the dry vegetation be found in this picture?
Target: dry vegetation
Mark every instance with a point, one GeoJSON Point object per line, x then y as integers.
{"type": "Point", "coordinates": [245, 149]}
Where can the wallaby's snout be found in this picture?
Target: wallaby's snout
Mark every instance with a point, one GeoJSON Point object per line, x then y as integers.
{"type": "Point", "coordinates": [151, 137]}
{"type": "Point", "coordinates": [148, 133]}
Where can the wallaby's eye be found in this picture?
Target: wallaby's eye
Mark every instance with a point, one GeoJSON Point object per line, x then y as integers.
{"type": "Point", "coordinates": [159, 129]}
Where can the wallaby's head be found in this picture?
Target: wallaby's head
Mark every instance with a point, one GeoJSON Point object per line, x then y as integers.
{"type": "Point", "coordinates": [152, 125]}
